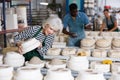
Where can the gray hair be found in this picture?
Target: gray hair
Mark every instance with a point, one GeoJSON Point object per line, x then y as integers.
{"type": "Point", "coordinates": [54, 22]}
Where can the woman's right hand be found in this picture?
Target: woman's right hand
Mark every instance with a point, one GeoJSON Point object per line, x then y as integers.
{"type": "Point", "coordinates": [100, 33]}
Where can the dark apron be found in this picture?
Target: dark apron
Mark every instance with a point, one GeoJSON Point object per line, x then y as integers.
{"type": "Point", "coordinates": [31, 54]}
{"type": "Point", "coordinates": [110, 26]}
{"type": "Point", "coordinates": [34, 52]}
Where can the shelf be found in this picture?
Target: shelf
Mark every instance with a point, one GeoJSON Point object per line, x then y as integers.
{"type": "Point", "coordinates": [75, 73]}
{"type": "Point", "coordinates": [100, 59]}
{"type": "Point", "coordinates": [20, 5]}
{"type": "Point", "coordinates": [5, 0]}
{"type": "Point", "coordinates": [11, 31]}
{"type": "Point", "coordinates": [59, 57]}
{"type": "Point", "coordinates": [89, 58]}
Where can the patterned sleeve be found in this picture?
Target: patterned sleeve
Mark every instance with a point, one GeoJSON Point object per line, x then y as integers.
{"type": "Point", "coordinates": [27, 33]}
{"type": "Point", "coordinates": [47, 44]}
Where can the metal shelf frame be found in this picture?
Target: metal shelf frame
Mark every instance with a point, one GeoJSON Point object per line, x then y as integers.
{"type": "Point", "coordinates": [4, 20]}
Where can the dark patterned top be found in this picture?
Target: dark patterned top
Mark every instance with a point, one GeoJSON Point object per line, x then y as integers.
{"type": "Point", "coordinates": [30, 32]}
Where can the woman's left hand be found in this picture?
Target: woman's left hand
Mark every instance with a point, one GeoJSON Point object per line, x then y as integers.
{"type": "Point", "coordinates": [40, 46]}
{"type": "Point", "coordinates": [19, 47]}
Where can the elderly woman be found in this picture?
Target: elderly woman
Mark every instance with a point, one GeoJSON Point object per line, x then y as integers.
{"type": "Point", "coordinates": [44, 34]}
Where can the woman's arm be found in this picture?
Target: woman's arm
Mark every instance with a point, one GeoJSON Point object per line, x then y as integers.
{"type": "Point", "coordinates": [102, 27]}
{"type": "Point", "coordinates": [46, 45]}
{"type": "Point", "coordinates": [27, 33]}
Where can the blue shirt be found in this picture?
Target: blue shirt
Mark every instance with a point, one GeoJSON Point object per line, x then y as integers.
{"type": "Point", "coordinates": [77, 25]}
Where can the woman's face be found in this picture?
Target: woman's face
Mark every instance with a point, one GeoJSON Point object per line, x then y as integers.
{"type": "Point", "coordinates": [48, 30]}
{"type": "Point", "coordinates": [106, 13]}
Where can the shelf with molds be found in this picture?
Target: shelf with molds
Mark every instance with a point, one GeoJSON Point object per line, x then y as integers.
{"type": "Point", "coordinates": [89, 58]}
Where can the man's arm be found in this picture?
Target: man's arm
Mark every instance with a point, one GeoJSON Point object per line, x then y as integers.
{"type": "Point", "coordinates": [65, 24]}
{"type": "Point", "coordinates": [69, 33]}
{"type": "Point", "coordinates": [88, 26]}
{"type": "Point", "coordinates": [86, 21]}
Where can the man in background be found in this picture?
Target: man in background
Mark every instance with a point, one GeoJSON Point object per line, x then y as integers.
{"type": "Point", "coordinates": [76, 22]}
